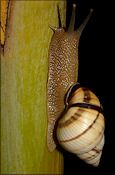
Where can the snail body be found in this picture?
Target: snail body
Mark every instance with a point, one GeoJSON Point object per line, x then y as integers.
{"type": "Point", "coordinates": [81, 129]}
{"type": "Point", "coordinates": [62, 72]}
{"type": "Point", "coordinates": [77, 121]}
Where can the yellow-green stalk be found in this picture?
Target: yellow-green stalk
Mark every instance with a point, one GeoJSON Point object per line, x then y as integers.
{"type": "Point", "coordinates": [24, 67]}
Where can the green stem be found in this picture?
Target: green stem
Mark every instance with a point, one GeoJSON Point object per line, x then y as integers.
{"type": "Point", "coordinates": [24, 67]}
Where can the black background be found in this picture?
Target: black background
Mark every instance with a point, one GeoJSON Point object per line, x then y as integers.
{"type": "Point", "coordinates": [96, 71]}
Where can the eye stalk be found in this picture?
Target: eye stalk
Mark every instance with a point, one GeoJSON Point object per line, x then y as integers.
{"type": "Point", "coordinates": [82, 26]}
{"type": "Point", "coordinates": [72, 21]}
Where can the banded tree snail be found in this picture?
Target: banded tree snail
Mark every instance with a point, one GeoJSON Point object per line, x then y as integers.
{"type": "Point", "coordinates": [81, 129]}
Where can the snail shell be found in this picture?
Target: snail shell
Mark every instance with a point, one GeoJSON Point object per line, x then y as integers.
{"type": "Point", "coordinates": [81, 129]}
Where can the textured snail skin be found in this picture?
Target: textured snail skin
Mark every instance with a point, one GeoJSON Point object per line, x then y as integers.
{"type": "Point", "coordinates": [81, 129]}
{"type": "Point", "coordinates": [62, 72]}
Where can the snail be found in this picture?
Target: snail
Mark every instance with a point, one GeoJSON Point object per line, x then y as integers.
{"type": "Point", "coordinates": [63, 74]}
{"type": "Point", "coordinates": [81, 129]}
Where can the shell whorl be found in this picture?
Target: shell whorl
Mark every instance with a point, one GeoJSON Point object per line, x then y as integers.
{"type": "Point", "coordinates": [81, 129]}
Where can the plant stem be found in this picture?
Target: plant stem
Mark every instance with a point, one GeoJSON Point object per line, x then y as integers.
{"type": "Point", "coordinates": [24, 67]}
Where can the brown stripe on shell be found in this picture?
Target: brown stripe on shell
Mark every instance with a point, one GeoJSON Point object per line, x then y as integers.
{"type": "Point", "coordinates": [73, 118]}
{"type": "Point", "coordinates": [86, 95]}
{"type": "Point", "coordinates": [67, 122]}
{"type": "Point", "coordinates": [82, 132]}
{"type": "Point", "coordinates": [79, 112]}
{"type": "Point", "coordinates": [90, 157]}
{"type": "Point", "coordinates": [97, 151]}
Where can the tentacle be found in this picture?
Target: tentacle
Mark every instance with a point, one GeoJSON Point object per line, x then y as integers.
{"type": "Point", "coordinates": [72, 22]}
{"type": "Point", "coordinates": [82, 26]}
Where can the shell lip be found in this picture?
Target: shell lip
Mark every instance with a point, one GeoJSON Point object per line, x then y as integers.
{"type": "Point", "coordinates": [87, 105]}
